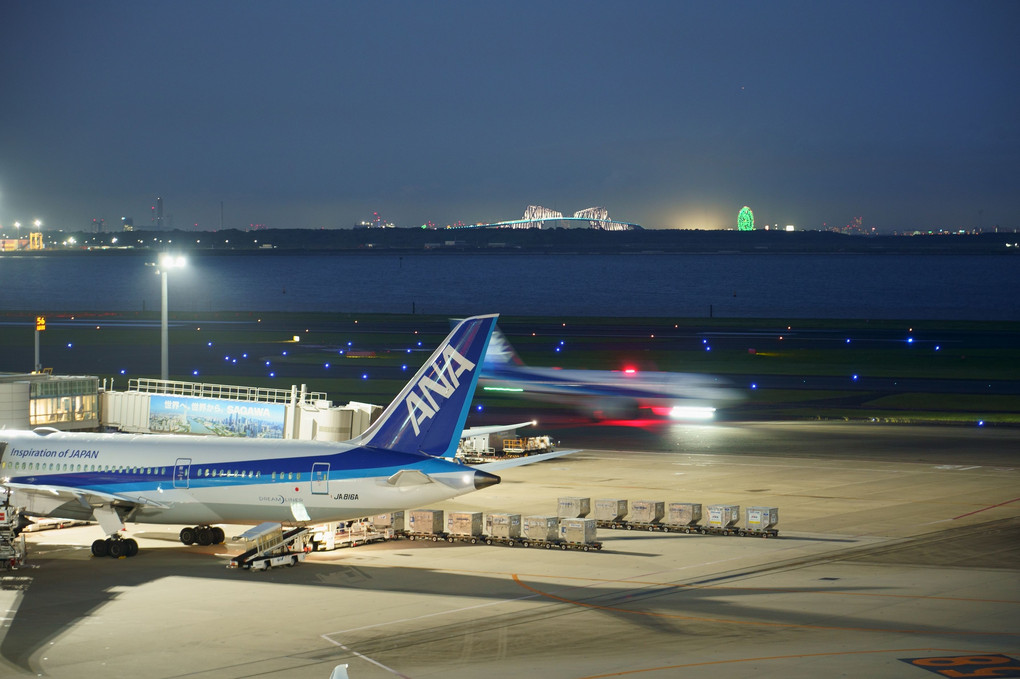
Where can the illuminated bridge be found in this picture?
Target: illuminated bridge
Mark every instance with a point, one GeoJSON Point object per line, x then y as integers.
{"type": "Point", "coordinates": [535, 217]}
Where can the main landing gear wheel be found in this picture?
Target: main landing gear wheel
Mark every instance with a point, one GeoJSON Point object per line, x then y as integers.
{"type": "Point", "coordinates": [203, 535]}
{"type": "Point", "coordinates": [115, 547]}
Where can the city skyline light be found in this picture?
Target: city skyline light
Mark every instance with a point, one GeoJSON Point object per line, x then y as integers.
{"type": "Point", "coordinates": [668, 114]}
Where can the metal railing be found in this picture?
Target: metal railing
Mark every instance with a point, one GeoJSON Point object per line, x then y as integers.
{"type": "Point", "coordinates": [225, 391]}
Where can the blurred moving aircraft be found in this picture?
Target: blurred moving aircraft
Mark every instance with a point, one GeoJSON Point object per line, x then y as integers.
{"type": "Point", "coordinates": [604, 393]}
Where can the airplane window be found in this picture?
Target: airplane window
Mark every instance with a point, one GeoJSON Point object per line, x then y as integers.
{"type": "Point", "coordinates": [274, 476]}
{"type": "Point", "coordinates": [290, 475]}
{"type": "Point", "coordinates": [298, 476]}
{"type": "Point", "coordinates": [148, 471]}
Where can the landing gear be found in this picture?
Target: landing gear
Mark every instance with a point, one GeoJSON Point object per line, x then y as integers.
{"type": "Point", "coordinates": [115, 547]}
{"type": "Point", "coordinates": [203, 535]}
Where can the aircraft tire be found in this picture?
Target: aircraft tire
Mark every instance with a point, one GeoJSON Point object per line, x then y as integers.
{"type": "Point", "coordinates": [203, 536]}
{"type": "Point", "coordinates": [188, 536]}
{"type": "Point", "coordinates": [116, 548]}
{"type": "Point", "coordinates": [99, 548]}
{"type": "Point", "coordinates": [132, 547]}
{"type": "Point", "coordinates": [218, 535]}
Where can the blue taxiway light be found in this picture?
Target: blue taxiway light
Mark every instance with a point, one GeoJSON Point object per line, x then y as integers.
{"type": "Point", "coordinates": [194, 372]}
{"type": "Point", "coordinates": [854, 378]}
{"type": "Point", "coordinates": [68, 345]}
{"type": "Point", "coordinates": [272, 374]}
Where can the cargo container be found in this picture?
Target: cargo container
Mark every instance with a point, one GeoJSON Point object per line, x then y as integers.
{"type": "Point", "coordinates": [426, 524]}
{"type": "Point", "coordinates": [543, 528]}
{"type": "Point", "coordinates": [722, 519]}
{"type": "Point", "coordinates": [683, 517]}
{"type": "Point", "coordinates": [337, 534]}
{"type": "Point", "coordinates": [392, 520]}
{"type": "Point", "coordinates": [574, 507]}
{"type": "Point", "coordinates": [642, 515]}
{"type": "Point", "coordinates": [760, 522]}
{"type": "Point", "coordinates": [610, 510]}
{"type": "Point", "coordinates": [549, 532]}
{"type": "Point", "coordinates": [646, 511]}
{"type": "Point", "coordinates": [503, 526]}
{"type": "Point", "coordinates": [577, 530]}
{"type": "Point", "coordinates": [466, 526]}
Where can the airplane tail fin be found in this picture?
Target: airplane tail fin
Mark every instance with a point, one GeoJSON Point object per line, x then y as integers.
{"type": "Point", "coordinates": [500, 352]}
{"type": "Point", "coordinates": [429, 413]}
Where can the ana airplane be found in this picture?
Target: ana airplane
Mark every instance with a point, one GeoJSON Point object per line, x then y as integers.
{"type": "Point", "coordinates": [603, 393]}
{"type": "Point", "coordinates": [404, 459]}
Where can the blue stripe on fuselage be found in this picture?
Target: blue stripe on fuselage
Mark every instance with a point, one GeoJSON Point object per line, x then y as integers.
{"type": "Point", "coordinates": [364, 462]}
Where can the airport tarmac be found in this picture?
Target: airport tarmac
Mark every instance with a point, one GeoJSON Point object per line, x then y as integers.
{"type": "Point", "coordinates": [887, 558]}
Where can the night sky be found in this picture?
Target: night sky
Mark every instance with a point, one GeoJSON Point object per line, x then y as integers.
{"type": "Point", "coordinates": [671, 114]}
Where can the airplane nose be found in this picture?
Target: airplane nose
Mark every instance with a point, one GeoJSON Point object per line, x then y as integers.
{"type": "Point", "coordinates": [485, 479]}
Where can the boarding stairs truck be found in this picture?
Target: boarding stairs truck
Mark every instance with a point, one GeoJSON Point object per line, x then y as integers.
{"type": "Point", "coordinates": [271, 546]}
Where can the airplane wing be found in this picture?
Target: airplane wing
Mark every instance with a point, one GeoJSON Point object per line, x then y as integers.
{"type": "Point", "coordinates": [66, 493]}
{"type": "Point", "coordinates": [521, 461]}
{"type": "Point", "coordinates": [109, 509]}
{"type": "Point", "coordinates": [494, 429]}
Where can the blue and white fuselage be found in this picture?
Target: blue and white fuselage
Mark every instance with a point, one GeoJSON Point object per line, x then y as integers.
{"type": "Point", "coordinates": [405, 459]}
{"type": "Point", "coordinates": [176, 479]}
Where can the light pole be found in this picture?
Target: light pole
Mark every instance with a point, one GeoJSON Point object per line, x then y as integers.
{"type": "Point", "coordinates": [166, 262]}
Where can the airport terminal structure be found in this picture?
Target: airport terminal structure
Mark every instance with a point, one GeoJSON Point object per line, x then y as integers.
{"type": "Point", "coordinates": [80, 403]}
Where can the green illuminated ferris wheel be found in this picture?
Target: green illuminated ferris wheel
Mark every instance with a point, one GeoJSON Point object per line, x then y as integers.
{"type": "Point", "coordinates": [745, 219]}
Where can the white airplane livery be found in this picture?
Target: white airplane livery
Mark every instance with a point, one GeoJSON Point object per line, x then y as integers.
{"type": "Point", "coordinates": [404, 459]}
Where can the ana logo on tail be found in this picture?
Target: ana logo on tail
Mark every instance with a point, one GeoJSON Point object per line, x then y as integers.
{"type": "Point", "coordinates": [422, 406]}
